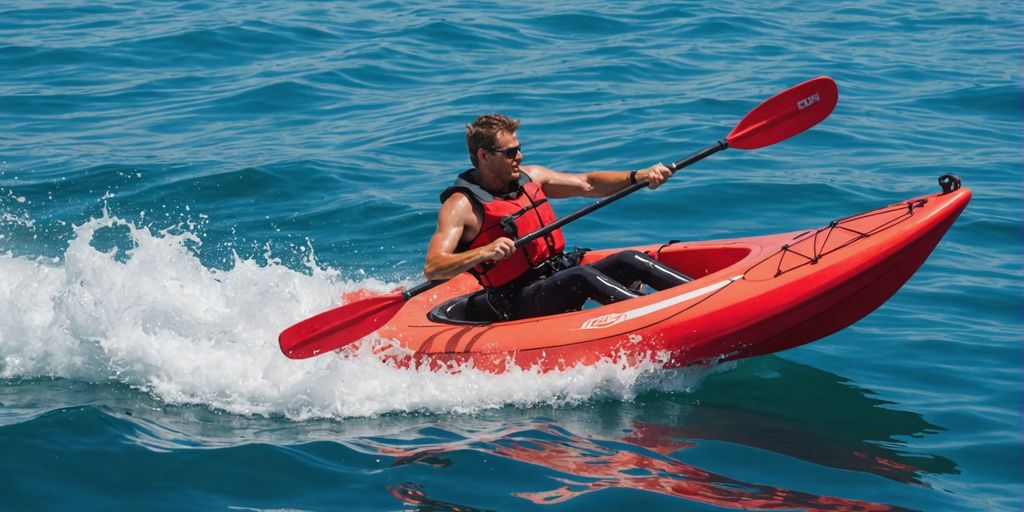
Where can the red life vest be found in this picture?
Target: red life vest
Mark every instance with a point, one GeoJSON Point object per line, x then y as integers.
{"type": "Point", "coordinates": [515, 214]}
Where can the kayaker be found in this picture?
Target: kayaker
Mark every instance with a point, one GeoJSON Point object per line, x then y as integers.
{"type": "Point", "coordinates": [498, 200]}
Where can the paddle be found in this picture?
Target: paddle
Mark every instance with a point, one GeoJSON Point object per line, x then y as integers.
{"type": "Point", "coordinates": [780, 117]}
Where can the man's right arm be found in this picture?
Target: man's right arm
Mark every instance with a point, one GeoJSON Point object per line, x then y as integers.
{"type": "Point", "coordinates": [455, 217]}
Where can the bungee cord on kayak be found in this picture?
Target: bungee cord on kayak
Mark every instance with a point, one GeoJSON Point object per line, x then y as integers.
{"type": "Point", "coordinates": [947, 182]}
{"type": "Point", "coordinates": [819, 250]}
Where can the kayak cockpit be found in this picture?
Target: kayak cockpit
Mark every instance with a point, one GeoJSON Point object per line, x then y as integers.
{"type": "Point", "coordinates": [471, 309]}
{"type": "Point", "coordinates": [694, 261]}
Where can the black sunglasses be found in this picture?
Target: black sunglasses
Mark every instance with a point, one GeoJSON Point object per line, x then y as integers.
{"type": "Point", "coordinates": [508, 152]}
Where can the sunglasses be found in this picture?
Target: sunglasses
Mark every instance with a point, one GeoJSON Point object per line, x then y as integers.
{"type": "Point", "coordinates": [508, 152]}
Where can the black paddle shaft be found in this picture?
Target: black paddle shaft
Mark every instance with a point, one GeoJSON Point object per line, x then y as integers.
{"type": "Point", "coordinates": [596, 205]}
{"type": "Point", "coordinates": [605, 201]}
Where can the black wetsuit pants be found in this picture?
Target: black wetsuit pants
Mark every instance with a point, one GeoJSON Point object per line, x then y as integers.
{"type": "Point", "coordinates": [611, 279]}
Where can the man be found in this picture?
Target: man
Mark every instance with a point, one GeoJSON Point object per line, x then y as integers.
{"type": "Point", "coordinates": [499, 200]}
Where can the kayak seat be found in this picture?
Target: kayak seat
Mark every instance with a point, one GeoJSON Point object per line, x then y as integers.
{"type": "Point", "coordinates": [472, 309]}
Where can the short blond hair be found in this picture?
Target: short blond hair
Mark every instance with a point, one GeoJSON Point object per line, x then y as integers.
{"type": "Point", "coordinates": [483, 133]}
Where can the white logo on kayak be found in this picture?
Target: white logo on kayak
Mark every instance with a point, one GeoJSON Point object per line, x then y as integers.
{"type": "Point", "coordinates": [808, 101]}
{"type": "Point", "coordinates": [609, 320]}
{"type": "Point", "coordinates": [603, 321]}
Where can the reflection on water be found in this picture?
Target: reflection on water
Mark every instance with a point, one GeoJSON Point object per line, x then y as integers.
{"type": "Point", "coordinates": [413, 494]}
{"type": "Point", "coordinates": [769, 404]}
{"type": "Point", "coordinates": [761, 436]}
{"type": "Point", "coordinates": [628, 469]}
{"type": "Point", "coordinates": [589, 466]}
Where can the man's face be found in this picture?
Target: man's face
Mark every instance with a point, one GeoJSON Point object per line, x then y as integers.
{"type": "Point", "coordinates": [498, 162]}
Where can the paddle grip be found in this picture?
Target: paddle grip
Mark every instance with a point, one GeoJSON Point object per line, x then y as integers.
{"type": "Point", "coordinates": [420, 288]}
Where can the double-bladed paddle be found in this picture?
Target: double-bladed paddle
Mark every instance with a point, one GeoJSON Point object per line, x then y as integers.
{"type": "Point", "coordinates": [776, 119]}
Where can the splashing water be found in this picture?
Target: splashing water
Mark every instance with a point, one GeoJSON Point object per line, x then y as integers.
{"type": "Point", "coordinates": [154, 318]}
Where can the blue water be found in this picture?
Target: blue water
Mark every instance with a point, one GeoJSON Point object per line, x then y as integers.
{"type": "Point", "coordinates": [181, 180]}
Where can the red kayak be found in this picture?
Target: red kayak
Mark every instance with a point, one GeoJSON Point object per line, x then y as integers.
{"type": "Point", "coordinates": [749, 296]}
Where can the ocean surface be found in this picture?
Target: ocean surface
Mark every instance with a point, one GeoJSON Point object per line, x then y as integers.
{"type": "Point", "coordinates": [181, 180]}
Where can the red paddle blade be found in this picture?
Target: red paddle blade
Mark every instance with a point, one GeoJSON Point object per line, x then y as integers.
{"type": "Point", "coordinates": [338, 327]}
{"type": "Point", "coordinates": [363, 293]}
{"type": "Point", "coordinates": [786, 114]}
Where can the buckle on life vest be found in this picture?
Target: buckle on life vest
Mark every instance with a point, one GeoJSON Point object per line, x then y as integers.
{"type": "Point", "coordinates": [508, 225]}
{"type": "Point", "coordinates": [508, 222]}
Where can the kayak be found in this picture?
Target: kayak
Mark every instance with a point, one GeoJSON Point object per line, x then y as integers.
{"type": "Point", "coordinates": [748, 297]}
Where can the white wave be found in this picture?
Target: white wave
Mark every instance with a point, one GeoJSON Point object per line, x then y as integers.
{"type": "Point", "coordinates": [154, 318]}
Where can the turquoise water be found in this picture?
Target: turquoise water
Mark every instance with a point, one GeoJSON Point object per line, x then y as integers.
{"type": "Point", "coordinates": [181, 180]}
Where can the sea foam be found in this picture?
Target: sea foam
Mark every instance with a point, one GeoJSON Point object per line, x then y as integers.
{"type": "Point", "coordinates": [153, 317]}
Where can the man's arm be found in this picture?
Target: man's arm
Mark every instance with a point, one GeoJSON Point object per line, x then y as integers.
{"type": "Point", "coordinates": [455, 217]}
{"type": "Point", "coordinates": [593, 184]}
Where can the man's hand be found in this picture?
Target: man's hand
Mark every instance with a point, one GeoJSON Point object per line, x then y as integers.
{"type": "Point", "coordinates": [499, 249]}
{"type": "Point", "coordinates": [654, 175]}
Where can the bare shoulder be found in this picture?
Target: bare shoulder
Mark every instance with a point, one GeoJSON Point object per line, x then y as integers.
{"type": "Point", "coordinates": [459, 214]}
{"type": "Point", "coordinates": [457, 206]}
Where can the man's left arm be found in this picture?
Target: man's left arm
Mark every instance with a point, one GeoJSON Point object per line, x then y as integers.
{"type": "Point", "coordinates": [596, 183]}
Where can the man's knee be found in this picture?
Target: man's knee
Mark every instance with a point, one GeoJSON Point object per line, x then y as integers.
{"type": "Point", "coordinates": [635, 259]}
{"type": "Point", "coordinates": [577, 276]}
{"type": "Point", "coordinates": [628, 257]}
